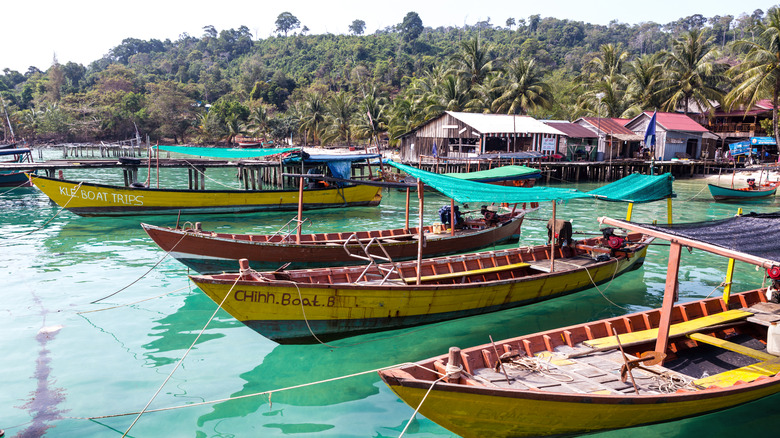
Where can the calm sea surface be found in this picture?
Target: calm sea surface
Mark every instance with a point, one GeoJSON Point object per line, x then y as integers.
{"type": "Point", "coordinates": [65, 360]}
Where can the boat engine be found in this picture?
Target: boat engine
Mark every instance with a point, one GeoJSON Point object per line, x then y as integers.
{"type": "Point", "coordinates": [773, 291]}
{"type": "Point", "coordinates": [613, 241]}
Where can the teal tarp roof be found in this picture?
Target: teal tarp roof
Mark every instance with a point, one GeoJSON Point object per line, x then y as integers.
{"type": "Point", "coordinates": [633, 188]}
{"type": "Point", "coordinates": [465, 191]}
{"type": "Point", "coordinates": [637, 188]}
{"type": "Point", "coordinates": [498, 173]}
{"type": "Point", "coordinates": [225, 153]}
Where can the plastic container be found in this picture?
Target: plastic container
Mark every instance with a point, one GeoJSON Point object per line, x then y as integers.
{"type": "Point", "coordinates": [773, 339]}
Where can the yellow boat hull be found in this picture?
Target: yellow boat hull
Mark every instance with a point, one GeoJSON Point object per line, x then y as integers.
{"type": "Point", "coordinates": [104, 200]}
{"type": "Point", "coordinates": [505, 413]}
{"type": "Point", "coordinates": [290, 312]}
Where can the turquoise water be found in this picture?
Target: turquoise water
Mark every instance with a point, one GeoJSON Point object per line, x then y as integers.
{"type": "Point", "coordinates": [62, 365]}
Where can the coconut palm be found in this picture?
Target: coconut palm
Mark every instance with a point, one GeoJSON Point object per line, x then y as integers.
{"type": "Point", "coordinates": [606, 83]}
{"type": "Point", "coordinates": [341, 110]}
{"type": "Point", "coordinates": [522, 89]}
{"type": "Point", "coordinates": [644, 77]}
{"type": "Point", "coordinates": [312, 117]}
{"type": "Point", "coordinates": [758, 76]}
{"type": "Point", "coordinates": [473, 62]}
{"type": "Point", "coordinates": [692, 73]}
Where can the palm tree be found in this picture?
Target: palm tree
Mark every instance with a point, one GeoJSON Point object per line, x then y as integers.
{"type": "Point", "coordinates": [257, 123]}
{"type": "Point", "coordinates": [451, 94]}
{"type": "Point", "coordinates": [371, 121]}
{"type": "Point", "coordinates": [341, 110]}
{"type": "Point", "coordinates": [644, 77]}
{"type": "Point", "coordinates": [472, 62]}
{"type": "Point", "coordinates": [312, 117]}
{"type": "Point", "coordinates": [758, 75]}
{"type": "Point", "coordinates": [606, 83]}
{"type": "Point", "coordinates": [522, 89]}
{"type": "Point", "coordinates": [692, 73]}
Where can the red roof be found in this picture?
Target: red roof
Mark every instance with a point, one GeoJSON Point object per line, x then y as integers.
{"type": "Point", "coordinates": [676, 122]}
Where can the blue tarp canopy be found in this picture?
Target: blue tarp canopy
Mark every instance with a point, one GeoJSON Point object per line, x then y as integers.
{"type": "Point", "coordinates": [340, 165]}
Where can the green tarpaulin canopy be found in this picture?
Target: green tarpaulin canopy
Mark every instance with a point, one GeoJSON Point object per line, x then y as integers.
{"type": "Point", "coordinates": [498, 173]}
{"type": "Point", "coordinates": [465, 191]}
{"type": "Point", "coordinates": [633, 188]}
{"type": "Point", "coordinates": [637, 188]}
{"type": "Point", "coordinates": [225, 153]}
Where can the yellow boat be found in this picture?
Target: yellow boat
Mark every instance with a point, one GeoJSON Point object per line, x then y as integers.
{"type": "Point", "coordinates": [649, 367]}
{"type": "Point", "coordinates": [299, 306]}
{"type": "Point", "coordinates": [88, 199]}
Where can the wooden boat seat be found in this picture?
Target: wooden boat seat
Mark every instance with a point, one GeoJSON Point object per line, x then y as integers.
{"type": "Point", "coordinates": [731, 346]}
{"type": "Point", "coordinates": [449, 275]}
{"type": "Point", "coordinates": [678, 329]}
{"type": "Point", "coordinates": [745, 374]}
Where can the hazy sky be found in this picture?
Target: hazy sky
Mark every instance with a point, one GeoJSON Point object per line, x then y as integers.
{"type": "Point", "coordinates": [83, 31]}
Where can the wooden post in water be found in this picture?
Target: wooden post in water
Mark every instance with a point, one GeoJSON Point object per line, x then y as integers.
{"type": "Point", "coordinates": [300, 212]}
{"type": "Point", "coordinates": [552, 241]}
{"type": "Point", "coordinates": [420, 234]}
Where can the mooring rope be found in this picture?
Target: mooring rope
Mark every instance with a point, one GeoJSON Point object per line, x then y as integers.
{"type": "Point", "coordinates": [135, 302]}
{"type": "Point", "coordinates": [167, 253]}
{"type": "Point", "coordinates": [184, 356]}
{"type": "Point", "coordinates": [617, 263]}
{"type": "Point", "coordinates": [256, 394]}
{"type": "Point", "coordinates": [72, 195]}
{"type": "Point", "coordinates": [14, 188]}
{"type": "Point", "coordinates": [203, 174]}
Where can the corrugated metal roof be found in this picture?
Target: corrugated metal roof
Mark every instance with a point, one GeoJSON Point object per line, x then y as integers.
{"type": "Point", "coordinates": [492, 124]}
{"type": "Point", "coordinates": [571, 130]}
{"type": "Point", "coordinates": [609, 126]}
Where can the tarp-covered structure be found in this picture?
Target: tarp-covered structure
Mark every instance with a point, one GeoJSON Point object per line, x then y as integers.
{"type": "Point", "coordinates": [340, 165]}
{"type": "Point", "coordinates": [465, 191]}
{"type": "Point", "coordinates": [498, 174]}
{"type": "Point", "coordinates": [633, 188]}
{"type": "Point", "coordinates": [757, 234]}
{"type": "Point", "coordinates": [637, 188]}
{"type": "Point", "coordinates": [225, 152]}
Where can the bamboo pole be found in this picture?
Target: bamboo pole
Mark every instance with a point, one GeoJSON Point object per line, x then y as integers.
{"type": "Point", "coordinates": [630, 211]}
{"type": "Point", "coordinates": [452, 217]}
{"type": "Point", "coordinates": [406, 227]}
{"type": "Point", "coordinates": [729, 275]}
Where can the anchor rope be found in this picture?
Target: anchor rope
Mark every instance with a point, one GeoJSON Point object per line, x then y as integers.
{"type": "Point", "coordinates": [14, 188]}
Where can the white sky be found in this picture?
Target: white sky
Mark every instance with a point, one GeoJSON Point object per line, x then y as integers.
{"type": "Point", "coordinates": [82, 31]}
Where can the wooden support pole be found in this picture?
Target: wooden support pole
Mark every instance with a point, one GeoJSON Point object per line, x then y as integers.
{"type": "Point", "coordinates": [729, 275]}
{"type": "Point", "coordinates": [406, 226]}
{"type": "Point", "coordinates": [452, 217]}
{"type": "Point", "coordinates": [669, 210]}
{"type": "Point", "coordinates": [300, 212]}
{"type": "Point", "coordinates": [670, 296]}
{"type": "Point", "coordinates": [421, 235]}
{"type": "Point", "coordinates": [552, 241]}
{"type": "Point", "coordinates": [630, 211]}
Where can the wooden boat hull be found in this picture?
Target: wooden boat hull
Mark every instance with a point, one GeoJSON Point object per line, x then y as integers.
{"type": "Point", "coordinates": [726, 193]}
{"type": "Point", "coordinates": [14, 178]}
{"type": "Point", "coordinates": [208, 252]}
{"type": "Point", "coordinates": [104, 200]}
{"type": "Point", "coordinates": [289, 311]}
{"type": "Point", "coordinates": [476, 411]}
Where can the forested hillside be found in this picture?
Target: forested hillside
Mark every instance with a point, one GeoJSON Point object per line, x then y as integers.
{"type": "Point", "coordinates": [345, 89]}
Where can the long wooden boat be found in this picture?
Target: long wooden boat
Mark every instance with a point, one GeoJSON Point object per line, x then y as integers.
{"type": "Point", "coordinates": [720, 193]}
{"type": "Point", "coordinates": [568, 381]}
{"type": "Point", "coordinates": [211, 252]}
{"type": "Point", "coordinates": [648, 367]}
{"type": "Point", "coordinates": [295, 306]}
{"type": "Point", "coordinates": [15, 177]}
{"type": "Point", "coordinates": [88, 199]}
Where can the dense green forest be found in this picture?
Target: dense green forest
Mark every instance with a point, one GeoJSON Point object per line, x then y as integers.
{"type": "Point", "coordinates": [351, 88]}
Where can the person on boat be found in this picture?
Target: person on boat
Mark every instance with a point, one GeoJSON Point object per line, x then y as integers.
{"type": "Point", "coordinates": [445, 215]}
{"type": "Point", "coordinates": [561, 230]}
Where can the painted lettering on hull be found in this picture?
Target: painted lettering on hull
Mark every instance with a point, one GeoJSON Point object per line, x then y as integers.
{"type": "Point", "coordinates": [93, 195]}
{"type": "Point", "coordinates": [283, 299]}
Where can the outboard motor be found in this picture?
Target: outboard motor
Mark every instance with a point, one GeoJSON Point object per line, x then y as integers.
{"type": "Point", "coordinates": [613, 242]}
